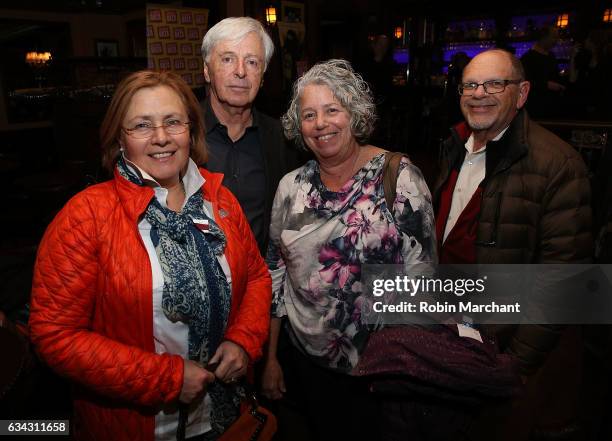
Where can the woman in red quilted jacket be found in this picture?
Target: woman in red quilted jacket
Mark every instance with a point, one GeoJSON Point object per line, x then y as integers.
{"type": "Point", "coordinates": [149, 291]}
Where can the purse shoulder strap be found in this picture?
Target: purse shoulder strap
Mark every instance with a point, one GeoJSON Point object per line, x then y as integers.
{"type": "Point", "coordinates": [250, 395]}
{"type": "Point", "coordinates": [390, 171]}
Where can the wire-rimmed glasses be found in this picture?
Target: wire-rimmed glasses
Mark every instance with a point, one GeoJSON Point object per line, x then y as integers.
{"type": "Point", "coordinates": [146, 129]}
{"type": "Point", "coordinates": [490, 87]}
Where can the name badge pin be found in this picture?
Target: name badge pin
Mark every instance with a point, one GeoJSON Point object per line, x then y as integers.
{"type": "Point", "coordinates": [201, 224]}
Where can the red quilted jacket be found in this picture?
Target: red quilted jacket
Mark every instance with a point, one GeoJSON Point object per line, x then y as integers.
{"type": "Point", "coordinates": [92, 314]}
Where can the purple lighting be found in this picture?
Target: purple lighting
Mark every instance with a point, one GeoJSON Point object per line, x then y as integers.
{"type": "Point", "coordinates": [521, 47]}
{"type": "Point", "coordinates": [524, 25]}
{"type": "Point", "coordinates": [400, 56]}
{"type": "Point", "coordinates": [562, 50]}
{"type": "Point", "coordinates": [471, 49]}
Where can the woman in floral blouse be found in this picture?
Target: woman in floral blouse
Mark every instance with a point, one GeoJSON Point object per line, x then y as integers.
{"type": "Point", "coordinates": [329, 218]}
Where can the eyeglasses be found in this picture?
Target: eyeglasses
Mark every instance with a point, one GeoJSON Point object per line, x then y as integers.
{"type": "Point", "coordinates": [490, 87]}
{"type": "Point", "coordinates": [146, 130]}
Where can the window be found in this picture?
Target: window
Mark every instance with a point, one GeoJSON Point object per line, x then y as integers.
{"type": "Point", "coordinates": [562, 20]}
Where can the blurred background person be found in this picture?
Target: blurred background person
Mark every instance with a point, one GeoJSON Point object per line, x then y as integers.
{"type": "Point", "coordinates": [590, 70]}
{"type": "Point", "coordinates": [455, 73]}
{"type": "Point", "coordinates": [377, 69]}
{"type": "Point", "coordinates": [542, 71]}
{"type": "Point", "coordinates": [148, 289]}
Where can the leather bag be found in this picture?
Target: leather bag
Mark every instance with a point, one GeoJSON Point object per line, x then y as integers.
{"type": "Point", "coordinates": [255, 423]}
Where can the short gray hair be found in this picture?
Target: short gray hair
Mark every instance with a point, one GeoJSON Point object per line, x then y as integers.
{"type": "Point", "coordinates": [348, 87]}
{"type": "Point", "coordinates": [235, 29]}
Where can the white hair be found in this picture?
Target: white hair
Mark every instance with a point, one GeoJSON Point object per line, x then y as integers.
{"type": "Point", "coordinates": [235, 29]}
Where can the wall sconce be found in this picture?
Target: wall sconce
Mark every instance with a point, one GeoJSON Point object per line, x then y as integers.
{"type": "Point", "coordinates": [270, 15]}
{"type": "Point", "coordinates": [398, 32]}
{"type": "Point", "coordinates": [607, 16]}
{"type": "Point", "coordinates": [38, 59]}
{"type": "Point", "coordinates": [562, 20]}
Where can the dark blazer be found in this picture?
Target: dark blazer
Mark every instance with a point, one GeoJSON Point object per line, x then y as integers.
{"type": "Point", "coordinates": [280, 157]}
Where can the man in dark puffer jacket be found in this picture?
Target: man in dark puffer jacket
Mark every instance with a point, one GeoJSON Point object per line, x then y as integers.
{"type": "Point", "coordinates": [511, 192]}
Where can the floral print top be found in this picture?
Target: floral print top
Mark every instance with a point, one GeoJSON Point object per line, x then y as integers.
{"type": "Point", "coordinates": [318, 241]}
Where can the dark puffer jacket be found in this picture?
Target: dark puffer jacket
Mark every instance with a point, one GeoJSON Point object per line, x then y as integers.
{"type": "Point", "coordinates": [535, 209]}
{"type": "Point", "coordinates": [536, 199]}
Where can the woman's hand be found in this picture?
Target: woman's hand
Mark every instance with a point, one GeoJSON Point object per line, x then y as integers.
{"type": "Point", "coordinates": [272, 380]}
{"type": "Point", "coordinates": [195, 380]}
{"type": "Point", "coordinates": [232, 360]}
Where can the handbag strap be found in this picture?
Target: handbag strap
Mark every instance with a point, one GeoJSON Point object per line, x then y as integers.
{"type": "Point", "coordinates": [250, 396]}
{"type": "Point", "coordinates": [262, 418]}
{"type": "Point", "coordinates": [182, 421]}
{"type": "Point", "coordinates": [389, 173]}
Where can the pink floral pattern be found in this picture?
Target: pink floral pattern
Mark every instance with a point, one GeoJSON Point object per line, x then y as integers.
{"type": "Point", "coordinates": [319, 240]}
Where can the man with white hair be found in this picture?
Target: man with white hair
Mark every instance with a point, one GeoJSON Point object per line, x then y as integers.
{"type": "Point", "coordinates": [245, 145]}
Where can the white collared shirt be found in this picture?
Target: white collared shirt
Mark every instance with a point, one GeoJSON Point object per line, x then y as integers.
{"type": "Point", "coordinates": [471, 174]}
{"type": "Point", "coordinates": [172, 337]}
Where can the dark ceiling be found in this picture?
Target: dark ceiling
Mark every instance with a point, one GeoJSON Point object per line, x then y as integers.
{"type": "Point", "coordinates": [85, 6]}
{"type": "Point", "coordinates": [473, 7]}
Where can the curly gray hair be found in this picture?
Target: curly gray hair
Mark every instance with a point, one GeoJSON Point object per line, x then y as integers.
{"type": "Point", "coordinates": [348, 87]}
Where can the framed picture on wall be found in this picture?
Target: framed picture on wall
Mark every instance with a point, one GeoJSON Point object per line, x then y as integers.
{"type": "Point", "coordinates": [292, 12]}
{"type": "Point", "coordinates": [107, 48]}
{"type": "Point", "coordinates": [291, 34]}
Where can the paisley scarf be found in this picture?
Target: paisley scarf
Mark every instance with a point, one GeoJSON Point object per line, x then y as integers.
{"type": "Point", "coordinates": [196, 291]}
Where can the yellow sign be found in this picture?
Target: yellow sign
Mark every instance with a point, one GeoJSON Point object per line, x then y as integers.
{"type": "Point", "coordinates": [174, 38]}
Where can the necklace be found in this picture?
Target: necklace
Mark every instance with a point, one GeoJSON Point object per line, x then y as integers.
{"type": "Point", "coordinates": [352, 170]}
{"type": "Point", "coordinates": [338, 181]}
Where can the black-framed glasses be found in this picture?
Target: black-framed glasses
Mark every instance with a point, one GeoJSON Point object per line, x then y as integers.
{"type": "Point", "coordinates": [490, 87]}
{"type": "Point", "coordinates": [146, 129]}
